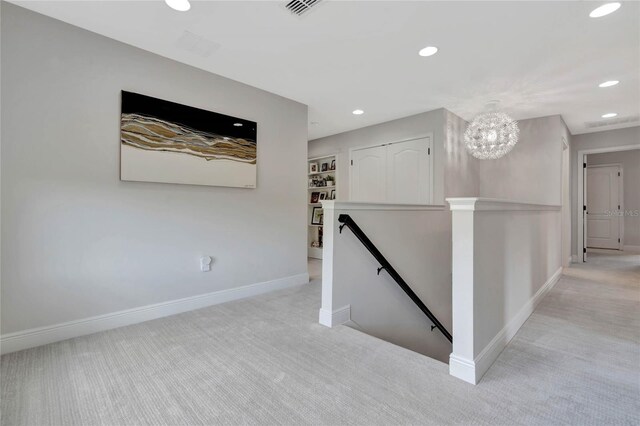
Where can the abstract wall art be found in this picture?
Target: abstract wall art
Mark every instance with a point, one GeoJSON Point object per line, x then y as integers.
{"type": "Point", "coordinates": [162, 141]}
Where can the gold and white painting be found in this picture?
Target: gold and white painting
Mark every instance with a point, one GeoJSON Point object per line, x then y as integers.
{"type": "Point", "coordinates": [162, 141]}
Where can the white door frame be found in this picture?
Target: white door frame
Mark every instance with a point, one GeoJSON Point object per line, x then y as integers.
{"type": "Point", "coordinates": [431, 155]}
{"type": "Point", "coordinates": [566, 203]}
{"type": "Point", "coordinates": [620, 199]}
{"type": "Point", "coordinates": [579, 212]}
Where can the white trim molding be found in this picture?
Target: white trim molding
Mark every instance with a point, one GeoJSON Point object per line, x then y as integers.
{"type": "Point", "coordinates": [361, 205]}
{"type": "Point", "coordinates": [337, 317]}
{"type": "Point", "coordinates": [471, 371]}
{"type": "Point", "coordinates": [493, 204]}
{"type": "Point", "coordinates": [33, 337]}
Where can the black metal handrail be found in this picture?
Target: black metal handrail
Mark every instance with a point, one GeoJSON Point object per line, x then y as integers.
{"type": "Point", "coordinates": [346, 220]}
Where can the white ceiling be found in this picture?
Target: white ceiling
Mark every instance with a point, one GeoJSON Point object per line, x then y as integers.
{"type": "Point", "coordinates": [537, 58]}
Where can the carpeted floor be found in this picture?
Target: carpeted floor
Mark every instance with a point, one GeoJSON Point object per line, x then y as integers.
{"type": "Point", "coordinates": [267, 361]}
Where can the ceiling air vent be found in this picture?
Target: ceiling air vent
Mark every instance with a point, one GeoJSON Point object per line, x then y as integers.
{"type": "Point", "coordinates": [612, 121]}
{"type": "Point", "coordinates": [300, 7]}
{"type": "Point", "coordinates": [197, 44]}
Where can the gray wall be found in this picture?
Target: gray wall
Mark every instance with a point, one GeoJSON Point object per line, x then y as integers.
{"type": "Point", "coordinates": [630, 161]}
{"type": "Point", "coordinates": [606, 139]}
{"type": "Point", "coordinates": [461, 169]}
{"type": "Point", "coordinates": [76, 241]}
{"type": "Point", "coordinates": [532, 171]}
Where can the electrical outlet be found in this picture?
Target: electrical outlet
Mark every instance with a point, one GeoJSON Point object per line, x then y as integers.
{"type": "Point", "coordinates": [205, 263]}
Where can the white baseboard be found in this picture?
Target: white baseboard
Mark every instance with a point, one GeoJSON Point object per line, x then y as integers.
{"type": "Point", "coordinates": [337, 317]}
{"type": "Point", "coordinates": [631, 248]}
{"type": "Point", "coordinates": [33, 337]}
{"type": "Point", "coordinates": [472, 370]}
{"type": "Point", "coordinates": [462, 368]}
{"type": "Point", "coordinates": [574, 258]}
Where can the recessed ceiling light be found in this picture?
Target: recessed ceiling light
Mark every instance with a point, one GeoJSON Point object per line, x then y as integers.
{"type": "Point", "coordinates": [358, 112]}
{"type": "Point", "coordinates": [609, 115]}
{"type": "Point", "coordinates": [604, 10]}
{"type": "Point", "coordinates": [179, 5]}
{"type": "Point", "coordinates": [237, 124]}
{"type": "Point", "coordinates": [428, 51]}
{"type": "Point", "coordinates": [608, 83]}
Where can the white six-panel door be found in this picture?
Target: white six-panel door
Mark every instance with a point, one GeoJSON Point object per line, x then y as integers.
{"type": "Point", "coordinates": [603, 201]}
{"type": "Point", "coordinates": [396, 173]}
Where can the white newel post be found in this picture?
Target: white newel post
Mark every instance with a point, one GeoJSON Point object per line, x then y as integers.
{"type": "Point", "coordinates": [461, 361]}
{"type": "Point", "coordinates": [330, 227]}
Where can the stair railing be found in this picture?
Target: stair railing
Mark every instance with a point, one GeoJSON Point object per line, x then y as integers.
{"type": "Point", "coordinates": [347, 221]}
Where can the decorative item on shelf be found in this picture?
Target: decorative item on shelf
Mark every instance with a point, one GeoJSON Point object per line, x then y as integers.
{"type": "Point", "coordinates": [321, 181]}
{"type": "Point", "coordinates": [322, 186]}
{"type": "Point", "coordinates": [317, 216]}
{"type": "Point", "coordinates": [333, 194]}
{"type": "Point", "coordinates": [491, 135]}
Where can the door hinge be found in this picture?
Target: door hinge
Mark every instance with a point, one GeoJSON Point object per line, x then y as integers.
{"type": "Point", "coordinates": [618, 173]}
{"type": "Point", "coordinates": [584, 165]}
{"type": "Point", "coordinates": [618, 239]}
{"type": "Point", "coordinates": [428, 151]}
{"type": "Point", "coordinates": [618, 206]}
{"type": "Point", "coordinates": [352, 162]}
{"type": "Point", "coordinates": [584, 208]}
{"type": "Point", "coordinates": [584, 249]}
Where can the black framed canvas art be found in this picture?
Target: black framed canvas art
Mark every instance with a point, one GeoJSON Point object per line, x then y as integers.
{"type": "Point", "coordinates": [162, 141]}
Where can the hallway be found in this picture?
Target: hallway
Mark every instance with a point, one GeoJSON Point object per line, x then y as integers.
{"type": "Point", "coordinates": [575, 361]}
{"type": "Point", "coordinates": [579, 352]}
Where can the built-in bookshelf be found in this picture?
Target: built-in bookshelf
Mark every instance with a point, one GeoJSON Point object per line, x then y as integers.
{"type": "Point", "coordinates": [321, 184]}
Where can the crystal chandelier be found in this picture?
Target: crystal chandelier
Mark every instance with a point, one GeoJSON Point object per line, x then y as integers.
{"type": "Point", "coordinates": [491, 135]}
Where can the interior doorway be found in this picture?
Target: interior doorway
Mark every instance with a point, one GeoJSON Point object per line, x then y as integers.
{"type": "Point", "coordinates": [599, 221]}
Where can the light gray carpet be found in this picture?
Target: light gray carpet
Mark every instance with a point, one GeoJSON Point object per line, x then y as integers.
{"type": "Point", "coordinates": [267, 361]}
